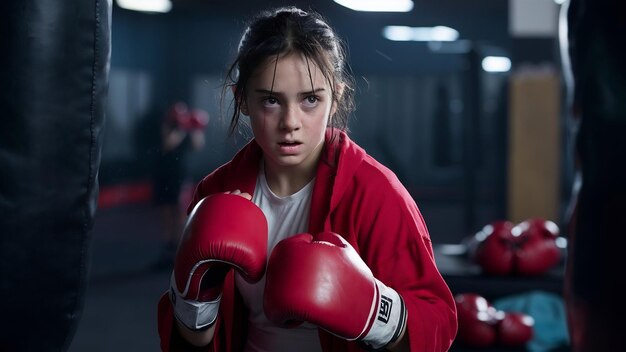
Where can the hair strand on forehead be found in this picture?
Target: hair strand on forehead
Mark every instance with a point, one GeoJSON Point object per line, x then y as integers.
{"type": "Point", "coordinates": [308, 67]}
{"type": "Point", "coordinates": [274, 74]}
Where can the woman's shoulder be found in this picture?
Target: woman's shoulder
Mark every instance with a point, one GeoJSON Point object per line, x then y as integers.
{"type": "Point", "coordinates": [237, 173]}
{"type": "Point", "coordinates": [355, 162]}
{"type": "Point", "coordinates": [372, 173]}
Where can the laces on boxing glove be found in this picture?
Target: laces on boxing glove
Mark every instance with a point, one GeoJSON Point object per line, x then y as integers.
{"type": "Point", "coordinates": [390, 320]}
{"type": "Point", "coordinates": [195, 315]}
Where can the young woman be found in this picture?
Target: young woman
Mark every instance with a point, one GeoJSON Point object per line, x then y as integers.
{"type": "Point", "coordinates": [350, 263]}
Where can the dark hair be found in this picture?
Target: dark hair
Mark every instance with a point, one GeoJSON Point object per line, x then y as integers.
{"type": "Point", "coordinates": [285, 30]}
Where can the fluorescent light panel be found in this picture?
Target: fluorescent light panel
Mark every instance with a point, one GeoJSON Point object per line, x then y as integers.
{"type": "Point", "coordinates": [420, 34]}
{"type": "Point", "coordinates": [146, 5]}
{"type": "Point", "coordinates": [496, 64]}
{"type": "Point", "coordinates": [377, 5]}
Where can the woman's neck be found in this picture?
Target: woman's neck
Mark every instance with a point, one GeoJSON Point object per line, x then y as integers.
{"type": "Point", "coordinates": [285, 181]}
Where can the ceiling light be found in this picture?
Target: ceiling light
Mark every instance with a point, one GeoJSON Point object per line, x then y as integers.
{"type": "Point", "coordinates": [420, 34]}
{"type": "Point", "coordinates": [496, 64]}
{"type": "Point", "coordinates": [146, 5]}
{"type": "Point", "coordinates": [378, 5]}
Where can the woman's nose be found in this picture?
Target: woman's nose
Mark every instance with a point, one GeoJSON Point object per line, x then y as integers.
{"type": "Point", "coordinates": [290, 119]}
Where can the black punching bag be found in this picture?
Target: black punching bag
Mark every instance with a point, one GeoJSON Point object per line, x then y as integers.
{"type": "Point", "coordinates": [594, 294]}
{"type": "Point", "coordinates": [53, 79]}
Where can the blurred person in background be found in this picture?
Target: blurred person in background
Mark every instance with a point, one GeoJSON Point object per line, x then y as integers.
{"type": "Point", "coordinates": [181, 132]}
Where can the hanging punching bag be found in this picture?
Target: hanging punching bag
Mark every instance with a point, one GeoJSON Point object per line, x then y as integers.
{"type": "Point", "coordinates": [53, 83]}
{"type": "Point", "coordinates": [597, 53]}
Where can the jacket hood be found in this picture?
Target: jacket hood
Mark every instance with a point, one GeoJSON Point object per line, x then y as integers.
{"type": "Point", "coordinates": [339, 162]}
{"type": "Point", "coordinates": [346, 156]}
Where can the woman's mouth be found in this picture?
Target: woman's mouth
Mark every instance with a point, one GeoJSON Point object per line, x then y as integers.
{"type": "Point", "coordinates": [289, 147]}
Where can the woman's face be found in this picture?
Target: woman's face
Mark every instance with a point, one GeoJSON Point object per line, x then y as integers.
{"type": "Point", "coordinates": [289, 104]}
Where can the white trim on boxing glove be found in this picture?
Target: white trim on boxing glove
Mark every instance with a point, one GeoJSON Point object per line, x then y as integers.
{"type": "Point", "coordinates": [390, 320]}
{"type": "Point", "coordinates": [193, 314]}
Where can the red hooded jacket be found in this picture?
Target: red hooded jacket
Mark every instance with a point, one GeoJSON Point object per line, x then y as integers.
{"type": "Point", "coordinates": [362, 200]}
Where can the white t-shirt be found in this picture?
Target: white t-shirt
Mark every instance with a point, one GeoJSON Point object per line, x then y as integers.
{"type": "Point", "coordinates": [286, 216]}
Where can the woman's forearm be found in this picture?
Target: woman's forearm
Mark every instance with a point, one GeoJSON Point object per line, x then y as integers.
{"type": "Point", "coordinates": [197, 338]}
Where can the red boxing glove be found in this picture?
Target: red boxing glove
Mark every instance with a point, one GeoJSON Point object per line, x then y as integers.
{"type": "Point", "coordinates": [477, 320]}
{"type": "Point", "coordinates": [482, 325]}
{"type": "Point", "coordinates": [495, 252]}
{"type": "Point", "coordinates": [179, 116]}
{"type": "Point", "coordinates": [515, 329]}
{"type": "Point", "coordinates": [224, 231]}
{"type": "Point", "coordinates": [528, 248]}
{"type": "Point", "coordinates": [322, 280]}
{"type": "Point", "coordinates": [538, 248]}
{"type": "Point", "coordinates": [198, 119]}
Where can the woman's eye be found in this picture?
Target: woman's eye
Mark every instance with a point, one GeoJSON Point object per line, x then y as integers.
{"type": "Point", "coordinates": [311, 100]}
{"type": "Point", "coordinates": [271, 101]}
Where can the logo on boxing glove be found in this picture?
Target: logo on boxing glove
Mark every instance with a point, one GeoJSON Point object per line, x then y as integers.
{"type": "Point", "coordinates": [386, 303]}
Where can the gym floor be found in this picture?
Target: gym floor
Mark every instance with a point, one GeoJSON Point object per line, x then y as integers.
{"type": "Point", "coordinates": [121, 298]}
